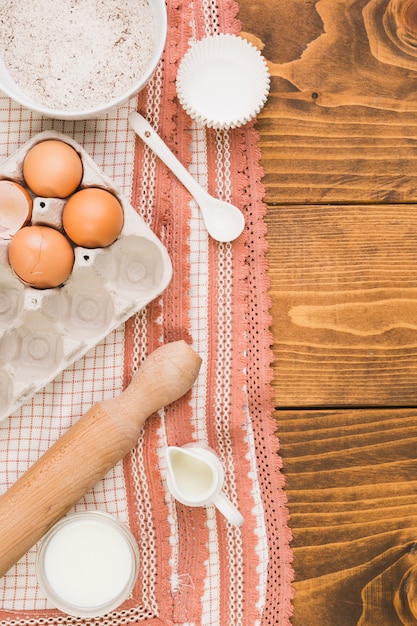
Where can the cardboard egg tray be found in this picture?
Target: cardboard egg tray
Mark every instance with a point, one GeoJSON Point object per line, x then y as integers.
{"type": "Point", "coordinates": [42, 331]}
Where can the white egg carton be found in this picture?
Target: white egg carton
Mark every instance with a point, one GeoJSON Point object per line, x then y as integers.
{"type": "Point", "coordinates": [42, 331]}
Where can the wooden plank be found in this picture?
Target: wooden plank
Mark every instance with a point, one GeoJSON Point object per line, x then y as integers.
{"type": "Point", "coordinates": [351, 482]}
{"type": "Point", "coordinates": [340, 124]}
{"type": "Point", "coordinates": [339, 143]}
{"type": "Point", "coordinates": [344, 292]}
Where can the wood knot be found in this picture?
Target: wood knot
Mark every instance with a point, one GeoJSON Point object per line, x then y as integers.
{"type": "Point", "coordinates": [405, 600]}
{"type": "Point", "coordinates": [400, 22]}
{"type": "Point", "coordinates": [392, 31]}
{"type": "Point", "coordinates": [409, 11]}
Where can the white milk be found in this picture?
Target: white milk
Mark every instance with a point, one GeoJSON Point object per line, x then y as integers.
{"type": "Point", "coordinates": [194, 478]}
{"type": "Point", "coordinates": [88, 564]}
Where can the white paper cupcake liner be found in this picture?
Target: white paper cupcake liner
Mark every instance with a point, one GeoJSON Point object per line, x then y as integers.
{"type": "Point", "coordinates": [223, 81]}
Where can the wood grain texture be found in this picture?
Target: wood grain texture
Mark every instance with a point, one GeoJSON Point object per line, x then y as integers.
{"type": "Point", "coordinates": [340, 124]}
{"type": "Point", "coordinates": [351, 482]}
{"type": "Point", "coordinates": [344, 290]}
{"type": "Point", "coordinates": [339, 143]}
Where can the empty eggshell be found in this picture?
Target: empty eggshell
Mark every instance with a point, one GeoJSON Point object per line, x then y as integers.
{"type": "Point", "coordinates": [41, 256]}
{"type": "Point", "coordinates": [15, 208]}
{"type": "Point", "coordinates": [53, 169]}
{"type": "Point", "coordinates": [93, 218]}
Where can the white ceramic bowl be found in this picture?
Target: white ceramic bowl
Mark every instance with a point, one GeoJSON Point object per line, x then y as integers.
{"type": "Point", "coordinates": [14, 91]}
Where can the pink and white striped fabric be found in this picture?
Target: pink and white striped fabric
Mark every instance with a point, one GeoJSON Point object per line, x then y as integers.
{"type": "Point", "coordinates": [196, 569]}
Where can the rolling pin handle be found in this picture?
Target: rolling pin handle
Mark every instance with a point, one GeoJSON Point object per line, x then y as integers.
{"type": "Point", "coordinates": [164, 376]}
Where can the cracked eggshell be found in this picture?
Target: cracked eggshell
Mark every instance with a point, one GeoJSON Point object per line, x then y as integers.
{"type": "Point", "coordinates": [41, 256]}
{"type": "Point", "coordinates": [15, 208]}
{"type": "Point", "coordinates": [43, 331]}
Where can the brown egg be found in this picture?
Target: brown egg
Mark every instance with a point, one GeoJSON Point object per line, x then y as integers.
{"type": "Point", "coordinates": [52, 169]}
{"type": "Point", "coordinates": [15, 208]}
{"type": "Point", "coordinates": [41, 256]}
{"type": "Point", "coordinates": [93, 218]}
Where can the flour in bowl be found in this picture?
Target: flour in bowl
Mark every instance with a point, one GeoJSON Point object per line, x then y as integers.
{"type": "Point", "coordinates": [76, 54]}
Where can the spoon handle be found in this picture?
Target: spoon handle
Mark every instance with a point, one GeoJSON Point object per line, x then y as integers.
{"type": "Point", "coordinates": [145, 131]}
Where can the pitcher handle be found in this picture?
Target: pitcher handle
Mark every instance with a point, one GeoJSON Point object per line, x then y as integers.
{"type": "Point", "coordinates": [225, 507]}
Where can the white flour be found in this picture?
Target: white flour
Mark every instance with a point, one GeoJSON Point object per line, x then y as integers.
{"type": "Point", "coordinates": [75, 54]}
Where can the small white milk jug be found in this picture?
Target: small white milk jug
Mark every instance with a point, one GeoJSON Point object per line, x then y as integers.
{"type": "Point", "coordinates": [195, 478]}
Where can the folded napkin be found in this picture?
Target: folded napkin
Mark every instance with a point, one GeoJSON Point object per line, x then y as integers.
{"type": "Point", "coordinates": [195, 567]}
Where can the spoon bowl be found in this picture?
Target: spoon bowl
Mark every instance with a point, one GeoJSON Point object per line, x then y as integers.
{"type": "Point", "coordinates": [223, 220]}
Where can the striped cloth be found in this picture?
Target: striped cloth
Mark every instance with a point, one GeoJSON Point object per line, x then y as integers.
{"type": "Point", "coordinates": [196, 569]}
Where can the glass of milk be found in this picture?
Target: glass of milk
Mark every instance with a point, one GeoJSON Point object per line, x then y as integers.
{"type": "Point", "coordinates": [87, 564]}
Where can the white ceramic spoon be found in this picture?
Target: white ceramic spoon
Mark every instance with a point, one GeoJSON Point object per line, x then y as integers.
{"type": "Point", "coordinates": [224, 221]}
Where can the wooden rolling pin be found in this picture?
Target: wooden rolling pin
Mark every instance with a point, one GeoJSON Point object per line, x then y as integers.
{"type": "Point", "coordinates": [89, 449]}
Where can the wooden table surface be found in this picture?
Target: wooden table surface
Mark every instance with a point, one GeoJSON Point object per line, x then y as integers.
{"type": "Point", "coordinates": [339, 143]}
